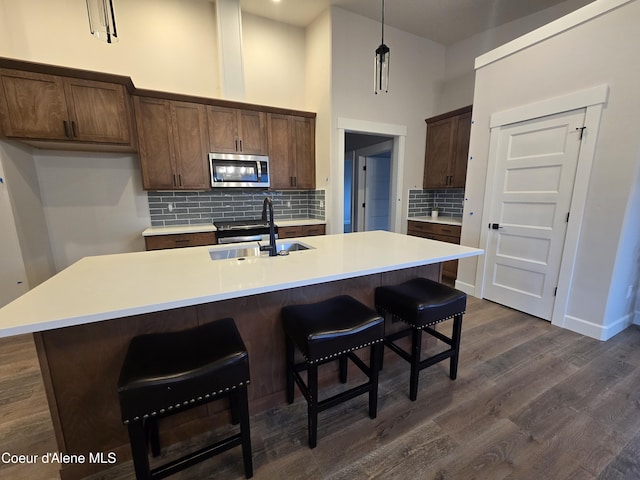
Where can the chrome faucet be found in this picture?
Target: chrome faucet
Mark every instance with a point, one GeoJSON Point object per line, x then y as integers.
{"type": "Point", "coordinates": [272, 249]}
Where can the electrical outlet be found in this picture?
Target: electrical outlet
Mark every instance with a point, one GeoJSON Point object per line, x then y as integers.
{"type": "Point", "coordinates": [288, 203]}
{"type": "Point", "coordinates": [170, 207]}
{"type": "Point", "coordinates": [321, 204]}
{"type": "Point", "coordinates": [629, 291]}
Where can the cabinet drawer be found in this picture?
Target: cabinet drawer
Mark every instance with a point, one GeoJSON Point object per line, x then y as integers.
{"type": "Point", "coordinates": [289, 232]}
{"type": "Point", "coordinates": [160, 242]}
{"type": "Point", "coordinates": [311, 230]}
{"type": "Point", "coordinates": [435, 228]}
{"type": "Point", "coordinates": [300, 231]}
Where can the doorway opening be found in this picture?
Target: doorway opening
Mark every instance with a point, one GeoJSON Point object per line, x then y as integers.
{"type": "Point", "coordinates": [367, 182]}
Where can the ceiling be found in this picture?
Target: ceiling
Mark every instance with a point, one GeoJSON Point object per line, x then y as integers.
{"type": "Point", "coordinates": [443, 21]}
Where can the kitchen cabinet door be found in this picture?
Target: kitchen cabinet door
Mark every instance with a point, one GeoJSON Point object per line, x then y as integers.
{"type": "Point", "coordinates": [237, 131]}
{"type": "Point", "coordinates": [446, 150]}
{"type": "Point", "coordinates": [189, 121]}
{"type": "Point", "coordinates": [98, 111]}
{"type": "Point", "coordinates": [155, 143]}
{"type": "Point", "coordinates": [281, 159]}
{"type": "Point", "coordinates": [172, 144]}
{"type": "Point", "coordinates": [252, 132]}
{"type": "Point", "coordinates": [33, 105]}
{"type": "Point", "coordinates": [291, 151]}
{"type": "Point", "coordinates": [304, 152]}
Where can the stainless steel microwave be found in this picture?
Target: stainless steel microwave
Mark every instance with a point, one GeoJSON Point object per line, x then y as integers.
{"type": "Point", "coordinates": [239, 170]}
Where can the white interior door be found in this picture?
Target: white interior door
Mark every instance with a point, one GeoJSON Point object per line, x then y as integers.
{"type": "Point", "coordinates": [377, 180]}
{"type": "Point", "coordinates": [535, 172]}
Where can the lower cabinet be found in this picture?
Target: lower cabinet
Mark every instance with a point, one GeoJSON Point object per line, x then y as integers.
{"type": "Point", "coordinates": [301, 231]}
{"type": "Point", "coordinates": [179, 240]}
{"type": "Point", "coordinates": [440, 232]}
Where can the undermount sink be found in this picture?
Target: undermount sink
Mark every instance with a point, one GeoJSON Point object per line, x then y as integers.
{"type": "Point", "coordinates": [244, 251]}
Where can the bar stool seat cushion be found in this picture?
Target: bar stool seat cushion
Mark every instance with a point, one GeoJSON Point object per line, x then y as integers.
{"type": "Point", "coordinates": [194, 366]}
{"type": "Point", "coordinates": [332, 327]}
{"type": "Point", "coordinates": [421, 301]}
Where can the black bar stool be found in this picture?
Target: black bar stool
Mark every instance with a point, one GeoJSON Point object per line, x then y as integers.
{"type": "Point", "coordinates": [326, 331]}
{"type": "Point", "coordinates": [422, 303]}
{"type": "Point", "coordinates": [166, 373]}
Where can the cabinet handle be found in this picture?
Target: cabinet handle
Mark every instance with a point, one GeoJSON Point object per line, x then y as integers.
{"type": "Point", "coordinates": [241, 145]}
{"type": "Point", "coordinates": [183, 240]}
{"type": "Point", "coordinates": [295, 181]}
{"type": "Point", "coordinates": [66, 129]}
{"type": "Point", "coordinates": [180, 179]}
{"type": "Point", "coordinates": [73, 129]}
{"type": "Point", "coordinates": [236, 144]}
{"type": "Point", "coordinates": [174, 180]}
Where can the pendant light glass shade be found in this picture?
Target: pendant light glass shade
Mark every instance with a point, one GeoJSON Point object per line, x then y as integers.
{"type": "Point", "coordinates": [381, 64]}
{"type": "Point", "coordinates": [382, 69]}
{"type": "Point", "coordinates": [102, 20]}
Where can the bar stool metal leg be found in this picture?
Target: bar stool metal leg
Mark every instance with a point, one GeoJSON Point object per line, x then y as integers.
{"type": "Point", "coordinates": [312, 403]}
{"type": "Point", "coordinates": [242, 408]}
{"type": "Point", "coordinates": [374, 365]}
{"type": "Point", "coordinates": [343, 369]}
{"type": "Point", "coordinates": [416, 350]}
{"type": "Point", "coordinates": [455, 346]}
{"type": "Point", "coordinates": [139, 450]}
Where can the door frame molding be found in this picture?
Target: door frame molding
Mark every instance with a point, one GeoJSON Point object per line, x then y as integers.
{"type": "Point", "coordinates": [399, 134]}
{"type": "Point", "coordinates": [593, 101]}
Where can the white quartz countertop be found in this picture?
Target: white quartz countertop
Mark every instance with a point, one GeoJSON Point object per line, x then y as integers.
{"type": "Point", "coordinates": [438, 219]}
{"type": "Point", "coordinates": [208, 227]}
{"type": "Point", "coordinates": [113, 286]}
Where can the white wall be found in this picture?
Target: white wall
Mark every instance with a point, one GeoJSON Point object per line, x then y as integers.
{"type": "Point", "coordinates": [274, 63]}
{"type": "Point", "coordinates": [318, 90]}
{"type": "Point", "coordinates": [30, 222]}
{"type": "Point", "coordinates": [13, 281]}
{"type": "Point", "coordinates": [417, 65]}
{"type": "Point", "coordinates": [458, 83]}
{"type": "Point", "coordinates": [601, 51]}
{"type": "Point", "coordinates": [94, 204]}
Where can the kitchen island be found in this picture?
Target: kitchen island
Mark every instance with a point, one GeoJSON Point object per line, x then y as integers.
{"type": "Point", "coordinates": [84, 317]}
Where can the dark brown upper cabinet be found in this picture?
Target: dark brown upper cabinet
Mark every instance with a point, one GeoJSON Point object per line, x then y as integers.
{"type": "Point", "coordinates": [447, 149]}
{"type": "Point", "coordinates": [42, 107]}
{"type": "Point", "coordinates": [233, 130]}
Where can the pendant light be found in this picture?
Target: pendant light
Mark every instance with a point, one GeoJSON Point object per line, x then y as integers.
{"type": "Point", "coordinates": [381, 65]}
{"type": "Point", "coordinates": [102, 20]}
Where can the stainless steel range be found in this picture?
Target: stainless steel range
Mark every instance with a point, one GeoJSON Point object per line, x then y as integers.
{"type": "Point", "coordinates": [249, 230]}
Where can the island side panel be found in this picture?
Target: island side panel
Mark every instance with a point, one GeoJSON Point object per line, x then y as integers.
{"type": "Point", "coordinates": [83, 364]}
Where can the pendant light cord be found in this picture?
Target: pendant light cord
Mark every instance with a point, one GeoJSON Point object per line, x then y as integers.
{"type": "Point", "coordinates": [383, 21]}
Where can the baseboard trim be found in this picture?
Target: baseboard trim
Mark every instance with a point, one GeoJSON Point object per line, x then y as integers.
{"type": "Point", "coordinates": [593, 330]}
{"type": "Point", "coordinates": [467, 288]}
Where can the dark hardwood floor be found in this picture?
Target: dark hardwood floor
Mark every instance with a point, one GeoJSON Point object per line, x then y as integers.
{"type": "Point", "coordinates": [531, 401]}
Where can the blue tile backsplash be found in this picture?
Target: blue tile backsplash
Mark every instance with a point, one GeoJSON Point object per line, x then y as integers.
{"type": "Point", "coordinates": [190, 208]}
{"type": "Point", "coordinates": [450, 201]}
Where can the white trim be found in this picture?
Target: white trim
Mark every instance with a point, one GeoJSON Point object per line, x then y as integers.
{"type": "Point", "coordinates": [466, 287]}
{"type": "Point", "coordinates": [399, 132]}
{"type": "Point", "coordinates": [564, 103]}
{"type": "Point", "coordinates": [594, 100]}
{"type": "Point", "coordinates": [549, 30]}
{"type": "Point", "coordinates": [595, 330]}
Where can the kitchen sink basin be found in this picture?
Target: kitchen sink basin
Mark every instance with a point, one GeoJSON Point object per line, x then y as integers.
{"type": "Point", "coordinates": [244, 251]}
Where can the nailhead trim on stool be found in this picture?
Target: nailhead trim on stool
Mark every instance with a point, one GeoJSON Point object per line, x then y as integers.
{"type": "Point", "coordinates": [331, 330]}
{"type": "Point", "coordinates": [423, 303]}
{"type": "Point", "coordinates": [166, 373]}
